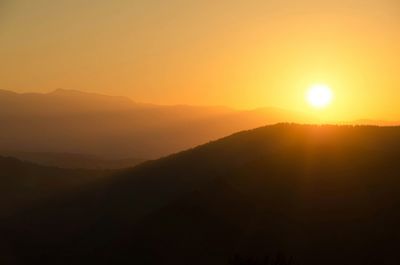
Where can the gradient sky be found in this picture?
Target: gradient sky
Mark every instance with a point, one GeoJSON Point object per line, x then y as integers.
{"type": "Point", "coordinates": [244, 54]}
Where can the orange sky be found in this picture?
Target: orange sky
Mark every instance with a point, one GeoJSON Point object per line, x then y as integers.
{"type": "Point", "coordinates": [244, 54]}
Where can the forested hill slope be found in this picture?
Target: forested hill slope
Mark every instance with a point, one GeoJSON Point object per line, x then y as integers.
{"type": "Point", "coordinates": [324, 194]}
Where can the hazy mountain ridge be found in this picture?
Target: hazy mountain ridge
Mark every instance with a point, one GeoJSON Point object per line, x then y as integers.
{"type": "Point", "coordinates": [59, 102]}
{"type": "Point", "coordinates": [324, 194]}
{"type": "Point", "coordinates": [23, 183]}
{"type": "Point", "coordinates": [73, 161]}
{"type": "Point", "coordinates": [67, 121]}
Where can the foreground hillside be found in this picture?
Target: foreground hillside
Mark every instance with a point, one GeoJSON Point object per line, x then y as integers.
{"type": "Point", "coordinates": [322, 194]}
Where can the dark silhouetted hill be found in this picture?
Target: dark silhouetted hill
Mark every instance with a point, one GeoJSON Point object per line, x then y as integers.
{"type": "Point", "coordinates": [322, 194]}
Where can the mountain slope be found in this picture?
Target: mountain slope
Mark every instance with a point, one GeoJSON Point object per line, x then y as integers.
{"type": "Point", "coordinates": [325, 194]}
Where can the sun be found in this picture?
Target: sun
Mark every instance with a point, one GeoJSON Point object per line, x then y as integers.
{"type": "Point", "coordinates": [319, 96]}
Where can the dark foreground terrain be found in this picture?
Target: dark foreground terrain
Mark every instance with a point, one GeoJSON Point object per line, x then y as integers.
{"type": "Point", "coordinates": [325, 195]}
{"type": "Point", "coordinates": [24, 184]}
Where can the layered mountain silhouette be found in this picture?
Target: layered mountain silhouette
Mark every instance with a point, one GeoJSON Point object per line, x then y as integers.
{"type": "Point", "coordinates": [322, 194]}
{"type": "Point", "coordinates": [68, 121]}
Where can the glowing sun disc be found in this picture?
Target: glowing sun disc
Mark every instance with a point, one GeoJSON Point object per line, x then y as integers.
{"type": "Point", "coordinates": [319, 96]}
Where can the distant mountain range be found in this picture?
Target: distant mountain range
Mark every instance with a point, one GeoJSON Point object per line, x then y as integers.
{"type": "Point", "coordinates": [68, 121]}
{"type": "Point", "coordinates": [322, 194]}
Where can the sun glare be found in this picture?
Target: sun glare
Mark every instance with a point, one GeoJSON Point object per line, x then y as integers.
{"type": "Point", "coordinates": [319, 96]}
